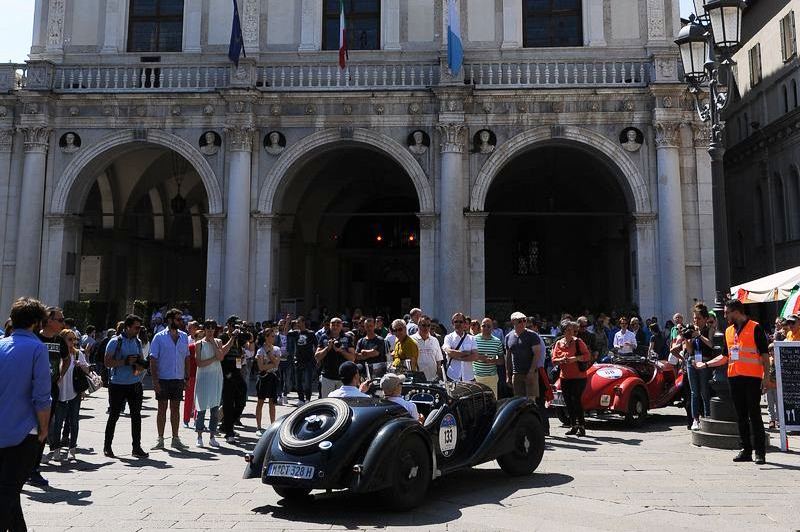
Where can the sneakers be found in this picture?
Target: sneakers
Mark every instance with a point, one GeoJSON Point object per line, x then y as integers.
{"type": "Point", "coordinates": [139, 453]}
{"type": "Point", "coordinates": [186, 424]}
{"type": "Point", "coordinates": [581, 431]}
{"type": "Point", "coordinates": [159, 445]}
{"type": "Point", "coordinates": [178, 444]}
{"type": "Point", "coordinates": [71, 453]}
{"type": "Point", "coordinates": [36, 479]}
{"type": "Point", "coordinates": [107, 452]}
{"type": "Point", "coordinates": [695, 425]}
{"type": "Point", "coordinates": [573, 431]}
{"type": "Point", "coordinates": [744, 456]}
{"type": "Point", "coordinates": [259, 432]}
{"type": "Point", "coordinates": [760, 459]}
{"type": "Point", "coordinates": [213, 442]}
{"type": "Point", "coordinates": [230, 439]}
{"type": "Point", "coordinates": [199, 440]}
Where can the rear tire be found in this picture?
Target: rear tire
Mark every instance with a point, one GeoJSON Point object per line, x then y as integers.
{"type": "Point", "coordinates": [291, 494]}
{"type": "Point", "coordinates": [637, 409]}
{"type": "Point", "coordinates": [528, 436]}
{"type": "Point", "coordinates": [410, 475]}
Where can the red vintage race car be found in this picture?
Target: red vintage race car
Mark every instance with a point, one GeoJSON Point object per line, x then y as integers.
{"type": "Point", "coordinates": [628, 387]}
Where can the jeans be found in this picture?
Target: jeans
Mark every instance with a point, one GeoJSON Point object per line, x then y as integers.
{"type": "Point", "coordinates": [200, 421]}
{"type": "Point", "coordinates": [572, 390]}
{"type": "Point", "coordinates": [66, 418]}
{"type": "Point", "coordinates": [15, 466]}
{"type": "Point", "coordinates": [234, 399]}
{"type": "Point", "coordinates": [772, 403]}
{"type": "Point", "coordinates": [304, 374]}
{"type": "Point", "coordinates": [118, 395]}
{"type": "Point", "coordinates": [700, 389]}
{"type": "Point", "coordinates": [286, 373]}
{"type": "Point", "coordinates": [746, 394]}
{"type": "Point", "coordinates": [54, 399]}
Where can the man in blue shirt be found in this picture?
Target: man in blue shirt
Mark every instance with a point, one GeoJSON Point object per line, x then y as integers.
{"type": "Point", "coordinates": [169, 367]}
{"type": "Point", "coordinates": [124, 358]}
{"type": "Point", "coordinates": [24, 406]}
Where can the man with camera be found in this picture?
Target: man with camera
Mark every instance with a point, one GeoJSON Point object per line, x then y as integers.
{"type": "Point", "coordinates": [334, 348]}
{"type": "Point", "coordinates": [124, 358]}
{"type": "Point", "coordinates": [169, 367]}
{"type": "Point", "coordinates": [234, 387]}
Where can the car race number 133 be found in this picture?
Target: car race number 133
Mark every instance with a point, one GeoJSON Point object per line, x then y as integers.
{"type": "Point", "coordinates": [448, 435]}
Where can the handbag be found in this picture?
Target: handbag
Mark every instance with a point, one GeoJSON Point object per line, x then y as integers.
{"type": "Point", "coordinates": [582, 366]}
{"type": "Point", "coordinates": [80, 380]}
{"type": "Point", "coordinates": [94, 381]}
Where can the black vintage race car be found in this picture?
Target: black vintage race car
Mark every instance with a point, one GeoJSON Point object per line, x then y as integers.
{"type": "Point", "coordinates": [371, 444]}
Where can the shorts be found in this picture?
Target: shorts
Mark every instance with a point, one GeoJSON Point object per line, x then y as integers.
{"type": "Point", "coordinates": [171, 389]}
{"type": "Point", "coordinates": [267, 386]}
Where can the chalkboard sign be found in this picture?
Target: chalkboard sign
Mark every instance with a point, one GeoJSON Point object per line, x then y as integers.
{"type": "Point", "coordinates": [787, 371]}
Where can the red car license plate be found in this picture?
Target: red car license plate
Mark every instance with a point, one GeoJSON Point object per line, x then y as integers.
{"type": "Point", "coordinates": [279, 469]}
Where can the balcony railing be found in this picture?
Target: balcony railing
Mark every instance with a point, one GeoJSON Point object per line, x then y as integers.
{"type": "Point", "coordinates": [294, 77]}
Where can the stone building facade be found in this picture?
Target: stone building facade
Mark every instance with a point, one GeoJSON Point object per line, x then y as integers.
{"type": "Point", "coordinates": [762, 164]}
{"type": "Point", "coordinates": [562, 167]}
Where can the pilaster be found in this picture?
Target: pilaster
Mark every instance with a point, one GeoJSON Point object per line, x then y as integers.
{"type": "Point", "coordinates": [427, 263]}
{"type": "Point", "coordinates": [216, 231]}
{"type": "Point", "coordinates": [512, 24]}
{"type": "Point", "coordinates": [311, 26]}
{"type": "Point", "coordinates": [265, 293]}
{"type": "Point", "coordinates": [476, 223]}
{"type": "Point", "coordinates": [390, 25]}
{"type": "Point", "coordinates": [192, 26]}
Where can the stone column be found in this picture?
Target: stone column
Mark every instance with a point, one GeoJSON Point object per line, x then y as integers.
{"type": "Point", "coordinates": [112, 40]}
{"type": "Point", "coordinates": [55, 31]}
{"type": "Point", "coordinates": [237, 226]}
{"type": "Point", "coordinates": [705, 211]}
{"type": "Point", "coordinates": [512, 24]}
{"type": "Point", "coordinates": [192, 26]}
{"type": "Point", "coordinates": [644, 239]}
{"type": "Point", "coordinates": [390, 25]}
{"type": "Point", "coordinates": [672, 267]}
{"type": "Point", "coordinates": [476, 222]}
{"type": "Point", "coordinates": [61, 234]}
{"type": "Point", "coordinates": [452, 223]}
{"type": "Point", "coordinates": [311, 26]}
{"type": "Point", "coordinates": [214, 266]}
{"type": "Point", "coordinates": [264, 295]}
{"type": "Point", "coordinates": [6, 277]}
{"type": "Point", "coordinates": [427, 263]}
{"type": "Point", "coordinates": [31, 210]}
{"type": "Point", "coordinates": [594, 23]}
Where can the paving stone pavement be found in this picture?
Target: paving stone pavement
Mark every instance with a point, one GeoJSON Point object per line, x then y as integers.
{"type": "Point", "coordinates": [613, 479]}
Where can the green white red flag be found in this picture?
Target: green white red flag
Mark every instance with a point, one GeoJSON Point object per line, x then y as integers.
{"type": "Point", "coordinates": [792, 305]}
{"type": "Point", "coordinates": [342, 37]}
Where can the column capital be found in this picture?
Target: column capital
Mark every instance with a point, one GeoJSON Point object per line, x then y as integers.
{"type": "Point", "coordinates": [6, 140]}
{"type": "Point", "coordinates": [452, 137]}
{"type": "Point", "coordinates": [644, 219]}
{"type": "Point", "coordinates": [265, 221]}
{"type": "Point", "coordinates": [476, 219]}
{"type": "Point", "coordinates": [427, 220]}
{"type": "Point", "coordinates": [241, 137]}
{"type": "Point", "coordinates": [36, 138]}
{"type": "Point", "coordinates": [667, 134]}
{"type": "Point", "coordinates": [63, 220]}
{"type": "Point", "coordinates": [701, 134]}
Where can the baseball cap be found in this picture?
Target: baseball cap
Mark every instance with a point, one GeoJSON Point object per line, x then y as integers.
{"type": "Point", "coordinates": [518, 316]}
{"type": "Point", "coordinates": [347, 370]}
{"type": "Point", "coordinates": [792, 318]}
{"type": "Point", "coordinates": [232, 319]}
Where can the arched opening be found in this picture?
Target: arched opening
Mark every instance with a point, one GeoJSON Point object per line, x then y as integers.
{"type": "Point", "coordinates": [349, 235]}
{"type": "Point", "coordinates": [142, 233]}
{"type": "Point", "coordinates": [779, 208]}
{"type": "Point", "coordinates": [792, 196]}
{"type": "Point", "coordinates": [557, 234]}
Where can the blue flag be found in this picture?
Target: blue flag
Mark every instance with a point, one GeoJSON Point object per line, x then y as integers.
{"type": "Point", "coordinates": [455, 50]}
{"type": "Point", "coordinates": [236, 47]}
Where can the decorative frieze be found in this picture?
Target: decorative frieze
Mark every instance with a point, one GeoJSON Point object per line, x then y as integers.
{"type": "Point", "coordinates": [6, 140]}
{"type": "Point", "coordinates": [55, 24]}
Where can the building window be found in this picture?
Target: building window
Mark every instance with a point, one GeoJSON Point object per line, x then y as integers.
{"type": "Point", "coordinates": [760, 225]}
{"type": "Point", "coordinates": [363, 23]}
{"type": "Point", "coordinates": [788, 37]}
{"type": "Point", "coordinates": [549, 23]}
{"type": "Point", "coordinates": [779, 209]}
{"type": "Point", "coordinates": [792, 196]}
{"type": "Point", "coordinates": [155, 26]}
{"type": "Point", "coordinates": [755, 64]}
{"type": "Point", "coordinates": [785, 99]}
{"type": "Point", "coordinates": [794, 94]}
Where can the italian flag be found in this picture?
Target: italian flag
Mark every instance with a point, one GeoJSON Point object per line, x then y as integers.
{"type": "Point", "coordinates": [792, 305]}
{"type": "Point", "coordinates": [342, 37]}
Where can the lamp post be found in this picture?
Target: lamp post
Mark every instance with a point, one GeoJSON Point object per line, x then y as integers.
{"type": "Point", "coordinates": [707, 45]}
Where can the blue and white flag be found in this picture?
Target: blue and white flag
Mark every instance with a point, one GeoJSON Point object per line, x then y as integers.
{"type": "Point", "coordinates": [455, 51]}
{"type": "Point", "coordinates": [236, 47]}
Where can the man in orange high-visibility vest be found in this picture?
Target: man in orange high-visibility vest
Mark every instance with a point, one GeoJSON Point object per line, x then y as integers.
{"type": "Point", "coordinates": [747, 355]}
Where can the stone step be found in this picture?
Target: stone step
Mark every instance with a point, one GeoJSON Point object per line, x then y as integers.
{"type": "Point", "coordinates": [715, 441]}
{"type": "Point", "coordinates": [715, 426]}
{"type": "Point", "coordinates": [722, 410]}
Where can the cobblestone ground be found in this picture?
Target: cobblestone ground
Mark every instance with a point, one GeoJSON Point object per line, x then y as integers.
{"type": "Point", "coordinates": [613, 479]}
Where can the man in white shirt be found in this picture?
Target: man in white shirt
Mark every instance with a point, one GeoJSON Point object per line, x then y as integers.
{"type": "Point", "coordinates": [392, 386]}
{"type": "Point", "coordinates": [461, 351]}
{"type": "Point", "coordinates": [430, 352]}
{"type": "Point", "coordinates": [351, 382]}
{"type": "Point", "coordinates": [624, 340]}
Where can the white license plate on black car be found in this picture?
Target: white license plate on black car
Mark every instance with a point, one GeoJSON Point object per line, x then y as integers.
{"type": "Point", "coordinates": [279, 469]}
{"type": "Point", "coordinates": [558, 399]}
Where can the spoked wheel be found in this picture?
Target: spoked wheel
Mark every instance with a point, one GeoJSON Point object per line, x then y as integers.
{"type": "Point", "coordinates": [528, 447]}
{"type": "Point", "coordinates": [637, 409]}
{"type": "Point", "coordinates": [292, 494]}
{"type": "Point", "coordinates": [410, 474]}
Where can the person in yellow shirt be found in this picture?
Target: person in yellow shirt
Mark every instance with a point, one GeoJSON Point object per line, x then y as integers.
{"type": "Point", "coordinates": [405, 348]}
{"type": "Point", "coordinates": [794, 328]}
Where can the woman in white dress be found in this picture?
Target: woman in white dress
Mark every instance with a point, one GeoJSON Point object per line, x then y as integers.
{"type": "Point", "coordinates": [209, 351]}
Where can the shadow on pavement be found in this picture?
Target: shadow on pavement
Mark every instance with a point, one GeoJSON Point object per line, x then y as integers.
{"type": "Point", "coordinates": [77, 465]}
{"type": "Point", "coordinates": [447, 497]}
{"type": "Point", "coordinates": [144, 462]}
{"type": "Point", "coordinates": [53, 495]}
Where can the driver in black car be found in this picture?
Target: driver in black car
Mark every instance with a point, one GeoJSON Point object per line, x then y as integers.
{"type": "Point", "coordinates": [351, 382]}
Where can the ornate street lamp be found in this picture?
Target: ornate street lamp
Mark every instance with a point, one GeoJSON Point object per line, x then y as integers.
{"type": "Point", "coordinates": [707, 45]}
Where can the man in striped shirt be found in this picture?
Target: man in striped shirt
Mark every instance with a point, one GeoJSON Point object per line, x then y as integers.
{"type": "Point", "coordinates": [490, 352]}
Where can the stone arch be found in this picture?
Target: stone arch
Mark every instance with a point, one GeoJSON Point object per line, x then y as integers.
{"type": "Point", "coordinates": [617, 158]}
{"type": "Point", "coordinates": [300, 151]}
{"type": "Point", "coordinates": [98, 154]}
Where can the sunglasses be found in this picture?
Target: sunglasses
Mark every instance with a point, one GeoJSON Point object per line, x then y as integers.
{"type": "Point", "coordinates": [457, 321]}
{"type": "Point", "coordinates": [398, 329]}
{"type": "Point", "coordinates": [424, 324]}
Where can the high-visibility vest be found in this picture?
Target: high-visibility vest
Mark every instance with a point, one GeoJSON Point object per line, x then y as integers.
{"type": "Point", "coordinates": [749, 360]}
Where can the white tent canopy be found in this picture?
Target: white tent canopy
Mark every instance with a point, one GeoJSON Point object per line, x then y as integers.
{"type": "Point", "coordinates": [775, 287]}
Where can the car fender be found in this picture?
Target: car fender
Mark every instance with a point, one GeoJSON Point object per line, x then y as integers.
{"type": "Point", "coordinates": [256, 459]}
{"type": "Point", "coordinates": [496, 441]}
{"type": "Point", "coordinates": [627, 387]}
{"type": "Point", "coordinates": [374, 471]}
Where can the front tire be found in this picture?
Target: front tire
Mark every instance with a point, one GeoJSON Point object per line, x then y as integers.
{"type": "Point", "coordinates": [528, 447]}
{"type": "Point", "coordinates": [637, 409]}
{"type": "Point", "coordinates": [410, 475]}
{"type": "Point", "coordinates": [291, 494]}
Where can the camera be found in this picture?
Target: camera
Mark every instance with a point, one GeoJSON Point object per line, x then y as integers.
{"type": "Point", "coordinates": [687, 332]}
{"type": "Point", "coordinates": [337, 344]}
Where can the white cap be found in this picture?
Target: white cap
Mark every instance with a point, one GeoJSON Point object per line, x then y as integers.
{"type": "Point", "coordinates": [518, 316]}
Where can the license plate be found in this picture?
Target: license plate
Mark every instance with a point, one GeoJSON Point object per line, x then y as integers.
{"type": "Point", "coordinates": [558, 399]}
{"type": "Point", "coordinates": [277, 469]}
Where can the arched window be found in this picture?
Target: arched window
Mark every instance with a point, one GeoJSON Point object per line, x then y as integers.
{"type": "Point", "coordinates": [779, 208]}
{"type": "Point", "coordinates": [155, 26]}
{"type": "Point", "coordinates": [739, 135]}
{"type": "Point", "coordinates": [785, 99]}
{"type": "Point", "coordinates": [794, 94]}
{"type": "Point", "coordinates": [550, 23]}
{"type": "Point", "coordinates": [758, 219]}
{"type": "Point", "coordinates": [792, 199]}
{"type": "Point", "coordinates": [746, 125]}
{"type": "Point", "coordinates": [363, 23]}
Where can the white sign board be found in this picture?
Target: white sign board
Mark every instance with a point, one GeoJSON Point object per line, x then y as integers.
{"type": "Point", "coordinates": [91, 268]}
{"type": "Point", "coordinates": [787, 372]}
